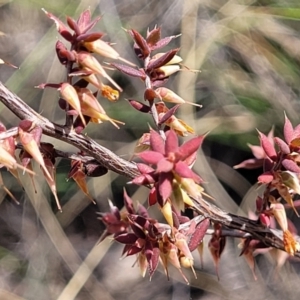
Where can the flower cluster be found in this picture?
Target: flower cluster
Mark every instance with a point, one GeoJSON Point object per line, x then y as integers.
{"type": "Point", "coordinates": [75, 98]}
{"type": "Point", "coordinates": [280, 160]}
{"type": "Point", "coordinates": [153, 242]}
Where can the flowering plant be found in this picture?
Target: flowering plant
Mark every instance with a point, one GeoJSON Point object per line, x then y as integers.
{"type": "Point", "coordinates": [162, 163]}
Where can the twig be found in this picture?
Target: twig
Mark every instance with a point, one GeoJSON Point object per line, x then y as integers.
{"type": "Point", "coordinates": [111, 161]}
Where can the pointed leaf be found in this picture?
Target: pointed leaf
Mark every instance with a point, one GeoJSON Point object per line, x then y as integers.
{"type": "Point", "coordinates": [141, 43]}
{"type": "Point", "coordinates": [163, 42]}
{"type": "Point", "coordinates": [198, 235]}
{"type": "Point", "coordinates": [153, 36]}
{"type": "Point", "coordinates": [162, 60]}
{"type": "Point", "coordinates": [189, 147]}
{"type": "Point", "coordinates": [31, 146]}
{"type": "Point", "coordinates": [283, 146]}
{"type": "Point", "coordinates": [288, 130]}
{"type": "Point", "coordinates": [139, 106]}
{"type": "Point", "coordinates": [73, 25]}
{"type": "Point", "coordinates": [156, 142]}
{"type": "Point", "coordinates": [168, 114]}
{"type": "Point", "coordinates": [164, 166]}
{"type": "Point", "coordinates": [90, 25]}
{"type": "Point", "coordinates": [51, 181]}
{"type": "Point", "coordinates": [266, 177]}
{"type": "Point", "coordinates": [290, 165]}
{"type": "Point", "coordinates": [251, 163]}
{"type": "Point", "coordinates": [126, 238]}
{"type": "Point", "coordinates": [84, 19]}
{"type": "Point", "coordinates": [257, 151]}
{"type": "Point", "coordinates": [129, 70]}
{"type": "Point", "coordinates": [128, 203]}
{"type": "Point", "coordinates": [185, 172]}
{"type": "Point", "coordinates": [268, 147]}
{"type": "Point", "coordinates": [171, 142]}
{"type": "Point", "coordinates": [165, 185]}
{"type": "Point", "coordinates": [154, 261]}
{"type": "Point", "coordinates": [150, 157]}
{"type": "Point", "coordinates": [60, 26]}
{"type": "Point", "coordinates": [152, 199]}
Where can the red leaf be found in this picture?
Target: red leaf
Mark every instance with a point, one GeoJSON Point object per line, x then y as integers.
{"type": "Point", "coordinates": [89, 37]}
{"type": "Point", "coordinates": [73, 25]}
{"type": "Point", "coordinates": [268, 164]}
{"type": "Point", "coordinates": [251, 163]}
{"type": "Point", "coordinates": [290, 165]}
{"type": "Point", "coordinates": [150, 157]}
{"type": "Point", "coordinates": [150, 94]}
{"type": "Point", "coordinates": [163, 42]}
{"type": "Point", "coordinates": [152, 197]}
{"type": "Point", "coordinates": [184, 171]}
{"type": "Point", "coordinates": [165, 185]}
{"type": "Point", "coordinates": [288, 130]}
{"type": "Point", "coordinates": [128, 203]}
{"type": "Point", "coordinates": [142, 211]}
{"type": "Point", "coordinates": [156, 142]}
{"type": "Point", "coordinates": [129, 70]}
{"type": "Point", "coordinates": [126, 238]}
{"type": "Point", "coordinates": [90, 25]}
{"type": "Point", "coordinates": [132, 250]}
{"type": "Point", "coordinates": [60, 26]}
{"type": "Point", "coordinates": [153, 36]}
{"type": "Point", "coordinates": [267, 146]}
{"type": "Point", "coordinates": [84, 19]}
{"type": "Point", "coordinates": [198, 234]}
{"type": "Point", "coordinates": [189, 147]}
{"type": "Point", "coordinates": [164, 166]}
{"type": "Point", "coordinates": [266, 177]}
{"type": "Point", "coordinates": [283, 146]}
{"type": "Point", "coordinates": [296, 133]}
{"type": "Point", "coordinates": [139, 106]}
{"type": "Point", "coordinates": [138, 231]}
{"type": "Point", "coordinates": [257, 151]}
{"type": "Point", "coordinates": [168, 114]}
{"type": "Point", "coordinates": [44, 85]}
{"type": "Point", "coordinates": [162, 60]}
{"type": "Point", "coordinates": [171, 142]}
{"type": "Point", "coordinates": [144, 169]}
{"type": "Point", "coordinates": [154, 261]}
{"type": "Point", "coordinates": [141, 43]}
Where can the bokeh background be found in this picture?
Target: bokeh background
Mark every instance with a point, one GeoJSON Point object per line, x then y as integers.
{"type": "Point", "coordinates": [248, 53]}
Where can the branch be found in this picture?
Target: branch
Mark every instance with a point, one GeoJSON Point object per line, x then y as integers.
{"type": "Point", "coordinates": [272, 238]}
{"type": "Point", "coordinates": [103, 155]}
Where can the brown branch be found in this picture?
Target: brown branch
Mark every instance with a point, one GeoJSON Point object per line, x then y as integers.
{"type": "Point", "coordinates": [103, 155]}
{"type": "Point", "coordinates": [111, 161]}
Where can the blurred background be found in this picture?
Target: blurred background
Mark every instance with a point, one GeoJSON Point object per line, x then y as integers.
{"type": "Point", "coordinates": [248, 53]}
